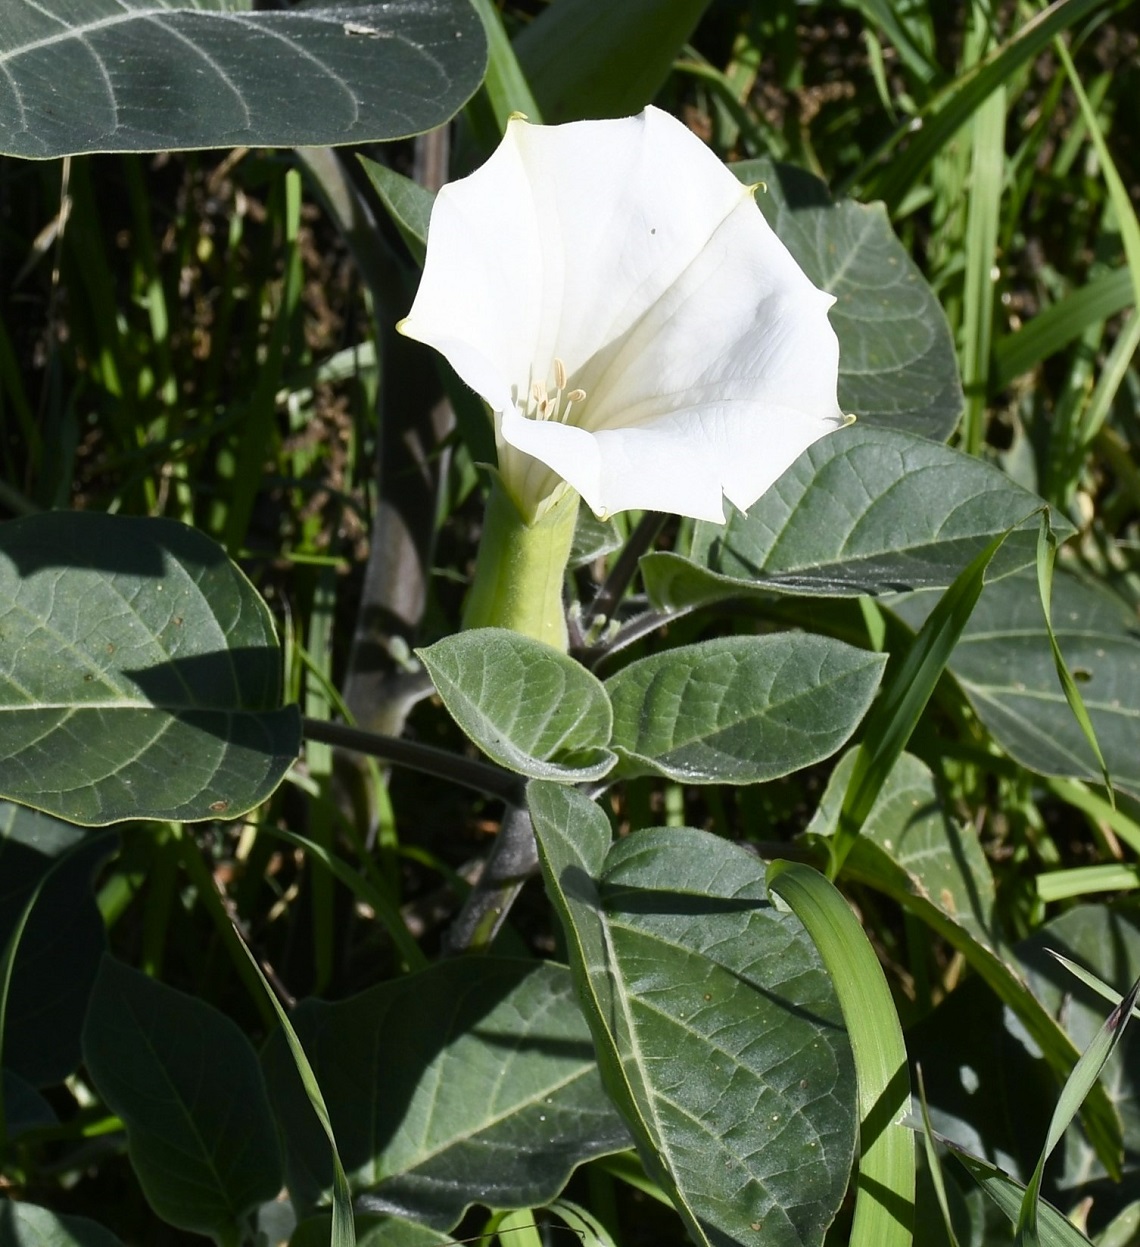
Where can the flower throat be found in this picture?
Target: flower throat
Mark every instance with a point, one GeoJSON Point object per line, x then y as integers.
{"type": "Point", "coordinates": [541, 404]}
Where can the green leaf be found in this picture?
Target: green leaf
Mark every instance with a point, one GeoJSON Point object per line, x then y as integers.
{"type": "Point", "coordinates": [897, 365]}
{"type": "Point", "coordinates": [1054, 1228]}
{"type": "Point", "coordinates": [592, 58]}
{"type": "Point", "coordinates": [472, 1081]}
{"type": "Point", "coordinates": [1005, 666]}
{"type": "Point", "coordinates": [863, 511]}
{"type": "Point", "coordinates": [373, 1231]}
{"type": "Point", "coordinates": [186, 1083]}
{"type": "Point", "coordinates": [717, 1029]}
{"type": "Point", "coordinates": [740, 710]}
{"type": "Point", "coordinates": [140, 675]}
{"type": "Point", "coordinates": [911, 849]}
{"type": "Point", "coordinates": [407, 202]}
{"type": "Point", "coordinates": [908, 689]}
{"type": "Point", "coordinates": [24, 1107]}
{"type": "Point", "coordinates": [26, 1225]}
{"type": "Point", "coordinates": [912, 852]}
{"type": "Point", "coordinates": [884, 1187]}
{"type": "Point", "coordinates": [525, 704]}
{"type": "Point", "coordinates": [59, 949]}
{"type": "Point", "coordinates": [124, 75]}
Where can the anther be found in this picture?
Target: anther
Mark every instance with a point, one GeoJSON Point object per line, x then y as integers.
{"type": "Point", "coordinates": [559, 374]}
{"type": "Point", "coordinates": [575, 396]}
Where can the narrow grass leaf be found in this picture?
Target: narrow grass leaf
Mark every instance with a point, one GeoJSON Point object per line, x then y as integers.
{"type": "Point", "coordinates": [1061, 885]}
{"type": "Point", "coordinates": [505, 83]}
{"type": "Point", "coordinates": [948, 111]}
{"type": "Point", "coordinates": [884, 1186]}
{"type": "Point", "coordinates": [1085, 1074]}
{"type": "Point", "coordinates": [343, 1232]}
{"type": "Point", "coordinates": [1046, 556]}
{"type": "Point", "coordinates": [933, 1163]}
{"type": "Point", "coordinates": [904, 697]}
{"type": "Point", "coordinates": [1054, 1228]}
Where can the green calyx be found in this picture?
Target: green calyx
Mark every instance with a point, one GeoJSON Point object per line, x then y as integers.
{"type": "Point", "coordinates": [520, 568]}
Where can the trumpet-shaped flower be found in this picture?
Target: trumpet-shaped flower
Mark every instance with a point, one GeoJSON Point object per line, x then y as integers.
{"type": "Point", "coordinates": [615, 295]}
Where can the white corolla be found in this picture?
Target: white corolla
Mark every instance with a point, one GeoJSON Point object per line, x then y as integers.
{"type": "Point", "coordinates": [639, 332]}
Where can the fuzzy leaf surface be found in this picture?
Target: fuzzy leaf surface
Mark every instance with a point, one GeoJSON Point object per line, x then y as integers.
{"type": "Point", "coordinates": [740, 710]}
{"type": "Point", "coordinates": [159, 75]}
{"type": "Point", "coordinates": [897, 366]}
{"type": "Point", "coordinates": [140, 674]}
{"type": "Point", "coordinates": [471, 1081]}
{"type": "Point", "coordinates": [718, 1032]}
{"type": "Point", "coordinates": [525, 704]}
{"type": "Point", "coordinates": [867, 510]}
{"type": "Point", "coordinates": [1005, 667]}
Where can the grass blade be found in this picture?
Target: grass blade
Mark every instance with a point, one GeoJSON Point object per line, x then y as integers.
{"type": "Point", "coordinates": [884, 1185]}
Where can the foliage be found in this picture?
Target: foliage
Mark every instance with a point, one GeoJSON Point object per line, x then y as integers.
{"type": "Point", "coordinates": [246, 747]}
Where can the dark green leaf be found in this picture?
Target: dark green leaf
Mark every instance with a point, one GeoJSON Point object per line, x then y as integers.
{"type": "Point", "coordinates": [740, 709]}
{"type": "Point", "coordinates": [24, 1107]}
{"type": "Point", "coordinates": [863, 511]}
{"type": "Point", "coordinates": [408, 204]}
{"type": "Point", "coordinates": [592, 58]}
{"type": "Point", "coordinates": [59, 948]}
{"type": "Point", "coordinates": [526, 705]}
{"type": "Point", "coordinates": [187, 1085]}
{"type": "Point", "coordinates": [470, 1082]}
{"type": "Point", "coordinates": [140, 675]}
{"type": "Point", "coordinates": [1005, 666]}
{"type": "Point", "coordinates": [26, 1225]}
{"type": "Point", "coordinates": [717, 1029]}
{"type": "Point", "coordinates": [124, 75]}
{"type": "Point", "coordinates": [897, 365]}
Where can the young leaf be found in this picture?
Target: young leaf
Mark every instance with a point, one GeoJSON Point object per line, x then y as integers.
{"type": "Point", "coordinates": [525, 704]}
{"type": "Point", "coordinates": [740, 710]}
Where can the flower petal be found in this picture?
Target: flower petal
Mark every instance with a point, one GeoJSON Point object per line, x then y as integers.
{"type": "Point", "coordinates": [628, 251]}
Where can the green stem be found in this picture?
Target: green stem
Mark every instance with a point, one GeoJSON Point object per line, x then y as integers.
{"type": "Point", "coordinates": [521, 567]}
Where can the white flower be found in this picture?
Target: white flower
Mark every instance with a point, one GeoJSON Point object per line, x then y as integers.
{"type": "Point", "coordinates": [614, 294]}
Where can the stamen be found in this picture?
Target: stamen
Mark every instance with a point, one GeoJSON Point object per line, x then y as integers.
{"type": "Point", "coordinates": [575, 396]}
{"type": "Point", "coordinates": [559, 374]}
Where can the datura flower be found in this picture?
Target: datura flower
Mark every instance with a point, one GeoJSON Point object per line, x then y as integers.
{"type": "Point", "coordinates": [614, 294]}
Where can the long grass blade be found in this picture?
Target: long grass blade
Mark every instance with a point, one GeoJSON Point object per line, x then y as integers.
{"type": "Point", "coordinates": [884, 1185]}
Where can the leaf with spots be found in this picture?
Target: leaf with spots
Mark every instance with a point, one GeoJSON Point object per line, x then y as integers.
{"type": "Point", "coordinates": [140, 674]}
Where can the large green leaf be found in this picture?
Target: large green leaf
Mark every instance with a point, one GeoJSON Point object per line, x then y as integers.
{"type": "Point", "coordinates": [592, 58]}
{"type": "Point", "coordinates": [155, 75]}
{"type": "Point", "coordinates": [59, 948]}
{"type": "Point", "coordinates": [470, 1082]}
{"type": "Point", "coordinates": [140, 675]}
{"type": "Point", "coordinates": [718, 1031]}
{"type": "Point", "coordinates": [525, 704]}
{"type": "Point", "coordinates": [1005, 666]}
{"type": "Point", "coordinates": [863, 511]}
{"type": "Point", "coordinates": [26, 1225]}
{"type": "Point", "coordinates": [187, 1085]}
{"type": "Point", "coordinates": [740, 710]}
{"type": "Point", "coordinates": [897, 365]}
